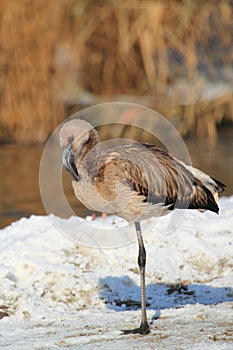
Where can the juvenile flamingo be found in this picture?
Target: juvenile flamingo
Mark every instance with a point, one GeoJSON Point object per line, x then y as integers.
{"type": "Point", "coordinates": [134, 181]}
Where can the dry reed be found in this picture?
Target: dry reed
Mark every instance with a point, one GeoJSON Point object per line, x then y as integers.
{"type": "Point", "coordinates": [53, 52]}
{"type": "Point", "coordinates": [28, 34]}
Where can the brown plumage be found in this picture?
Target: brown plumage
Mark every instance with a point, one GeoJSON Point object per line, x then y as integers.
{"type": "Point", "coordinates": [134, 181]}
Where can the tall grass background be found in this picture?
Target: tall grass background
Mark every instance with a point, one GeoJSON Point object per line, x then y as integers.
{"type": "Point", "coordinates": [57, 56]}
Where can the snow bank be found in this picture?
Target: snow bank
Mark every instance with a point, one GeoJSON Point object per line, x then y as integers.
{"type": "Point", "coordinates": [46, 276]}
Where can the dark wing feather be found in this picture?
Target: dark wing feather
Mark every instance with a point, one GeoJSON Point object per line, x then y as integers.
{"type": "Point", "coordinates": [220, 187]}
{"type": "Point", "coordinates": [153, 174]}
{"type": "Point", "coordinates": [183, 190]}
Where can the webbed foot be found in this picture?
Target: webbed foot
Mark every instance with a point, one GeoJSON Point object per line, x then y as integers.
{"type": "Point", "coordinates": [143, 329]}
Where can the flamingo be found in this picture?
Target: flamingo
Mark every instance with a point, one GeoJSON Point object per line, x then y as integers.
{"type": "Point", "coordinates": [134, 181]}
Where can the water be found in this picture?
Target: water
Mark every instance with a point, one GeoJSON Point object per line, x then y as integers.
{"type": "Point", "coordinates": [19, 175]}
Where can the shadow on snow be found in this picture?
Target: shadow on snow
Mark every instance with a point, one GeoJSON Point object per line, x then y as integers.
{"type": "Point", "coordinates": [121, 293]}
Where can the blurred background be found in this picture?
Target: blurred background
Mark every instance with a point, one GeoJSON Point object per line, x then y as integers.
{"type": "Point", "coordinates": [57, 57]}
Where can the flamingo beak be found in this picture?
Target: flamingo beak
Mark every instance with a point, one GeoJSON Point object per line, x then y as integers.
{"type": "Point", "coordinates": [69, 163]}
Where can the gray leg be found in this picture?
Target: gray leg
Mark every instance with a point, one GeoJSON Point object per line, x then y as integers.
{"type": "Point", "coordinates": [142, 264]}
{"type": "Point", "coordinates": [144, 327]}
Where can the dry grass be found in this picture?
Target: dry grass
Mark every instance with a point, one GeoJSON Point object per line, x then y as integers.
{"type": "Point", "coordinates": [28, 34]}
{"type": "Point", "coordinates": [52, 51]}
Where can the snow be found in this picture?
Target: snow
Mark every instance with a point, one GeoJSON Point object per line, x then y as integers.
{"type": "Point", "coordinates": [74, 283]}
